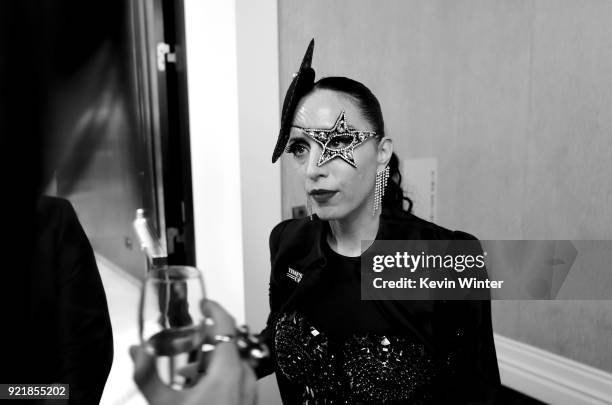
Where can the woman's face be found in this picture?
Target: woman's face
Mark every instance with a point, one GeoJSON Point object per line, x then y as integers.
{"type": "Point", "coordinates": [336, 189]}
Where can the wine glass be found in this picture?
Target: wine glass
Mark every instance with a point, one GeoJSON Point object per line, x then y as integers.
{"type": "Point", "coordinates": [171, 323]}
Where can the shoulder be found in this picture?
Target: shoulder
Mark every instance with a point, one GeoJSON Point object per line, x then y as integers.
{"type": "Point", "coordinates": [460, 235]}
{"type": "Point", "coordinates": [54, 213]}
{"type": "Point", "coordinates": [295, 240]}
{"type": "Point", "coordinates": [295, 231]}
{"type": "Point", "coordinates": [58, 224]}
{"type": "Point", "coordinates": [50, 206]}
{"type": "Point", "coordinates": [278, 229]}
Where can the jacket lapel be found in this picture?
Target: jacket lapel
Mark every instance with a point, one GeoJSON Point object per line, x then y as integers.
{"type": "Point", "coordinates": [311, 265]}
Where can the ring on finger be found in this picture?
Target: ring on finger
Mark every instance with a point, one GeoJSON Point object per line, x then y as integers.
{"type": "Point", "coordinates": [223, 338]}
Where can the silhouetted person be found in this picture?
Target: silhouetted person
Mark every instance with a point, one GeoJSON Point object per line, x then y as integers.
{"type": "Point", "coordinates": [56, 327]}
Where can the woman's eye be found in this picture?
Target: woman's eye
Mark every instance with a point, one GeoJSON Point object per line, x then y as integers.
{"type": "Point", "coordinates": [298, 150]}
{"type": "Point", "coordinates": [340, 141]}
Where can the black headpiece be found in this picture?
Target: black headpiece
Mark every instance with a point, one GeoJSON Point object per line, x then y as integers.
{"type": "Point", "coordinates": [301, 84]}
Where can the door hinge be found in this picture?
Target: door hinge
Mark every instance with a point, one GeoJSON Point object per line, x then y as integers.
{"type": "Point", "coordinates": [174, 236]}
{"type": "Point", "coordinates": [164, 56]}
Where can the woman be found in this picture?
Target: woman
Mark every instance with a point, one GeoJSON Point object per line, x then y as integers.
{"type": "Point", "coordinates": [328, 345]}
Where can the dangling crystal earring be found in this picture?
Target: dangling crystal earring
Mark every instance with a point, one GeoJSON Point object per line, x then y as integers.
{"type": "Point", "coordinates": [309, 206]}
{"type": "Point", "coordinates": [382, 178]}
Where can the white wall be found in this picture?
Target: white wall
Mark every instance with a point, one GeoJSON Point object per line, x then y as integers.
{"type": "Point", "coordinates": [259, 113]}
{"type": "Point", "coordinates": [210, 30]}
{"type": "Point", "coordinates": [232, 64]}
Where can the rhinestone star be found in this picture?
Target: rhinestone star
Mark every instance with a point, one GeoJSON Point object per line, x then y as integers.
{"type": "Point", "coordinates": [338, 132]}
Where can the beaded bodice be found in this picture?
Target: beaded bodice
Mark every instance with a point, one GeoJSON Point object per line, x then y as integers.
{"type": "Point", "coordinates": [363, 369]}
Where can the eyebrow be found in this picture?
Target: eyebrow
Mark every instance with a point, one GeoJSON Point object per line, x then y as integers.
{"type": "Point", "coordinates": [312, 129]}
{"type": "Point", "coordinates": [297, 136]}
{"type": "Point", "coordinates": [327, 129]}
{"type": "Point", "coordinates": [298, 127]}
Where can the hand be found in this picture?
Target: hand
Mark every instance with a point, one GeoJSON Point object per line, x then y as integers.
{"type": "Point", "coordinates": [229, 380]}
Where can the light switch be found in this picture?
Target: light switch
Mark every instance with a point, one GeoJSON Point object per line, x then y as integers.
{"type": "Point", "coordinates": [299, 211]}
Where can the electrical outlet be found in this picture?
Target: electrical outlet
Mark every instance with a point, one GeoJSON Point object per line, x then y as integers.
{"type": "Point", "coordinates": [299, 211]}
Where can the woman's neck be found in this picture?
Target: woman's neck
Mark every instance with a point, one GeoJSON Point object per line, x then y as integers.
{"type": "Point", "coordinates": [346, 234]}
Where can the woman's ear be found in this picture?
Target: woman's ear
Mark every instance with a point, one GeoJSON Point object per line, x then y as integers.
{"type": "Point", "coordinates": [385, 150]}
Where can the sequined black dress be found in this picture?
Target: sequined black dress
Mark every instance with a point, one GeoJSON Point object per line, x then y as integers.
{"type": "Point", "coordinates": [330, 347]}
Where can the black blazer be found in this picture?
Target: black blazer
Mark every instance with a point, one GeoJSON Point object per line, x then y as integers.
{"type": "Point", "coordinates": [67, 310]}
{"type": "Point", "coordinates": [458, 329]}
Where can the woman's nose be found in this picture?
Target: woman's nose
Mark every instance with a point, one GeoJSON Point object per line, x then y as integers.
{"type": "Point", "coordinates": [313, 170]}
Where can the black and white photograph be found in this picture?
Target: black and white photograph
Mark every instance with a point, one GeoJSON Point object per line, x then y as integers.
{"type": "Point", "coordinates": [306, 202]}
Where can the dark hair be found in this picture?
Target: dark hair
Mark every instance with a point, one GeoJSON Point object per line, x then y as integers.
{"type": "Point", "coordinates": [370, 108]}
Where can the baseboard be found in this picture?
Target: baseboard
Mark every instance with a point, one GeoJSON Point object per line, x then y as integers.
{"type": "Point", "coordinates": [117, 271]}
{"type": "Point", "coordinates": [551, 378]}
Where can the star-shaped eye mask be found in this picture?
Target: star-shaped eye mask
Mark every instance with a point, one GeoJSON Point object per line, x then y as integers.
{"type": "Point", "coordinates": [338, 141]}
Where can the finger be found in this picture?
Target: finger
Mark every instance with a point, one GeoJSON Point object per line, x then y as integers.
{"type": "Point", "coordinates": [190, 371]}
{"type": "Point", "coordinates": [145, 372]}
{"type": "Point", "coordinates": [223, 376]}
{"type": "Point", "coordinates": [225, 359]}
{"type": "Point", "coordinates": [249, 385]}
{"type": "Point", "coordinates": [224, 323]}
